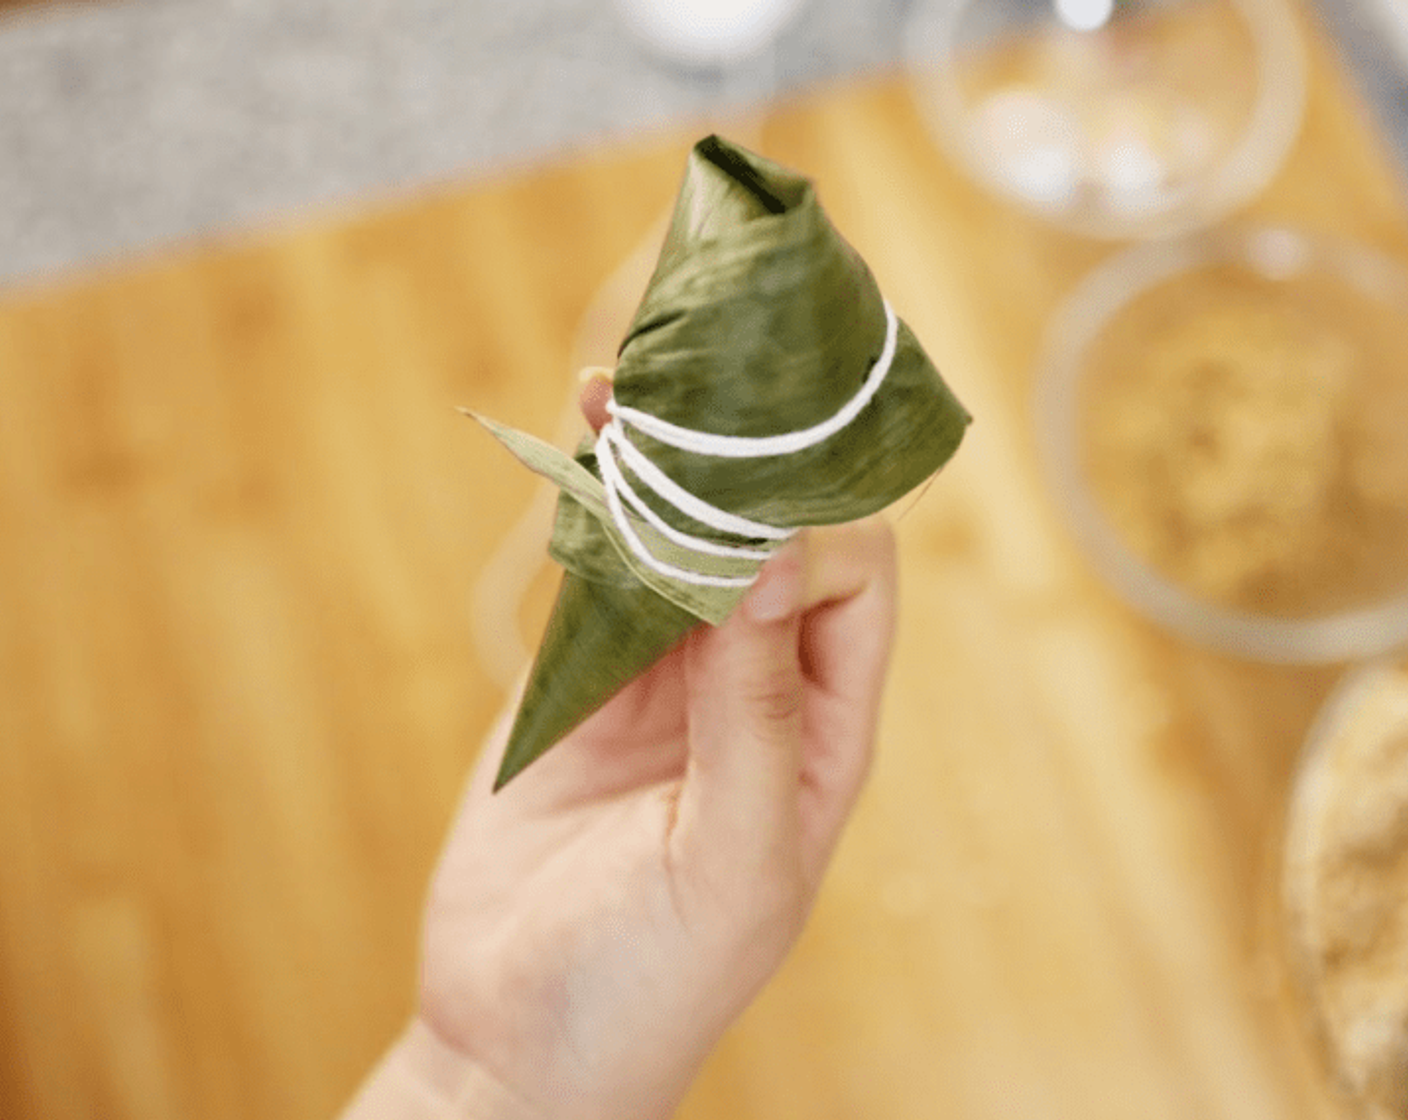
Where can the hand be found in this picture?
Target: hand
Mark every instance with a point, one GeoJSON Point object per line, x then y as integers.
{"type": "Point", "coordinates": [594, 928]}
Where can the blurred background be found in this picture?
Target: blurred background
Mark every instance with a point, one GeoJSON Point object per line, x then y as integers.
{"type": "Point", "coordinates": [262, 589]}
{"type": "Point", "coordinates": [125, 125]}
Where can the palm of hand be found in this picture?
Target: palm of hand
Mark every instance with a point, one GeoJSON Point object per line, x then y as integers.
{"type": "Point", "coordinates": [599, 922]}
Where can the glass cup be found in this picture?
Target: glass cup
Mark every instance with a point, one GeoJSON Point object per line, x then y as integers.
{"type": "Point", "coordinates": [1113, 118]}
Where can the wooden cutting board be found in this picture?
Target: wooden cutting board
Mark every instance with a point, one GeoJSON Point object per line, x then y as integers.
{"type": "Point", "coordinates": [256, 604]}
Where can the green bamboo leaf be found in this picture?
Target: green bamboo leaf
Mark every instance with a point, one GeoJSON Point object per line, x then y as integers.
{"type": "Point", "coordinates": [759, 320]}
{"type": "Point", "coordinates": [707, 604]}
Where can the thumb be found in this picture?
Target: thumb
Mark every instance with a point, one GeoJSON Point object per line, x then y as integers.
{"type": "Point", "coordinates": [745, 690]}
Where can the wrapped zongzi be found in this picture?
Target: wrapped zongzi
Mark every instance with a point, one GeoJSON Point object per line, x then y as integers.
{"type": "Point", "coordinates": [764, 385]}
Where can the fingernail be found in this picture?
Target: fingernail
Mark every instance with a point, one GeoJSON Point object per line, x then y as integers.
{"type": "Point", "coordinates": [778, 592]}
{"type": "Point", "coordinates": [594, 373]}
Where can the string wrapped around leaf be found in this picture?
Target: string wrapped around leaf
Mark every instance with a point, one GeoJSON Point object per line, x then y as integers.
{"type": "Point", "coordinates": [763, 385]}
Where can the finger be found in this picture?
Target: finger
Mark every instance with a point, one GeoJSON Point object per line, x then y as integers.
{"type": "Point", "coordinates": [596, 391]}
{"type": "Point", "coordinates": [745, 697]}
{"type": "Point", "coordinates": [846, 639]}
{"type": "Point", "coordinates": [851, 592]}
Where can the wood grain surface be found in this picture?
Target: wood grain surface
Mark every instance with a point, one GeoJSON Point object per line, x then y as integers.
{"type": "Point", "coordinates": [9, 6]}
{"type": "Point", "coordinates": [241, 528]}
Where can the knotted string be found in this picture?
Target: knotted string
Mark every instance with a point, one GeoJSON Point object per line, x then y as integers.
{"type": "Point", "coordinates": [613, 440]}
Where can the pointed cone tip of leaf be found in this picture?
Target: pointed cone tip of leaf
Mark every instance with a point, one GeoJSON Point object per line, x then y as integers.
{"type": "Point", "coordinates": [598, 639]}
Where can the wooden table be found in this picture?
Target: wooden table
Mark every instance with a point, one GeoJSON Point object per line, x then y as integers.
{"type": "Point", "coordinates": [241, 526]}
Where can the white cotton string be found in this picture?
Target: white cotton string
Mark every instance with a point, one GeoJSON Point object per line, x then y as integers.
{"type": "Point", "coordinates": [611, 475]}
{"type": "Point", "coordinates": [613, 437]}
{"type": "Point", "coordinates": [758, 447]}
{"type": "Point", "coordinates": [613, 440]}
{"type": "Point", "coordinates": [697, 544]}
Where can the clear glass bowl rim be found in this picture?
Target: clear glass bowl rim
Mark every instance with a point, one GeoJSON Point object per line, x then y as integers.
{"type": "Point", "coordinates": [1343, 636]}
{"type": "Point", "coordinates": [1273, 129]}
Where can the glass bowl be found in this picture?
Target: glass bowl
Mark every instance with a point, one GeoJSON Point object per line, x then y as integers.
{"type": "Point", "coordinates": [1221, 419]}
{"type": "Point", "coordinates": [1393, 19]}
{"type": "Point", "coordinates": [1345, 887]}
{"type": "Point", "coordinates": [1112, 118]}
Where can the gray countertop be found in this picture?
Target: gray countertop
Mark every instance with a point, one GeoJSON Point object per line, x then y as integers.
{"type": "Point", "coordinates": [129, 125]}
